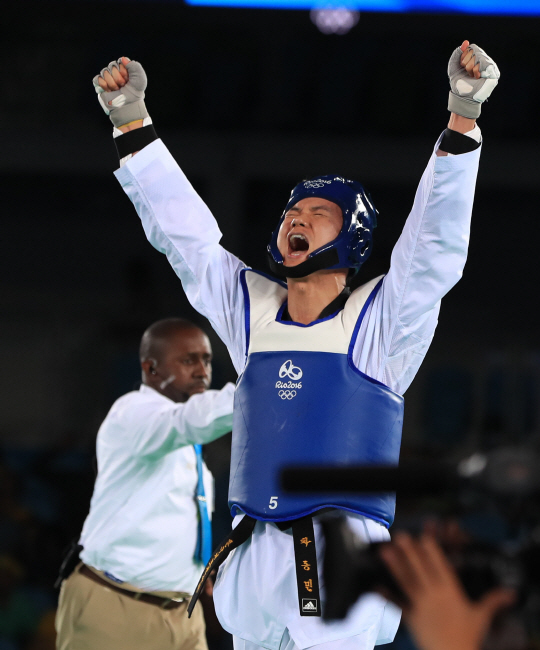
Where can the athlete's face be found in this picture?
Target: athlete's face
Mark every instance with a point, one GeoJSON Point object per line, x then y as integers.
{"type": "Point", "coordinates": [307, 226]}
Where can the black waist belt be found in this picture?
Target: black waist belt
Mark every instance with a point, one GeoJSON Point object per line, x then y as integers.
{"type": "Point", "coordinates": [237, 536]}
{"type": "Point", "coordinates": [305, 555]}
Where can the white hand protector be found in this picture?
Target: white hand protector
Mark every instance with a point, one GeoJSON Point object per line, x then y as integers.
{"type": "Point", "coordinates": [466, 92]}
{"type": "Point", "coordinates": [127, 104]}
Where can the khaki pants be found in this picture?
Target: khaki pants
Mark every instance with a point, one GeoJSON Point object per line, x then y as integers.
{"type": "Point", "coordinates": [93, 617]}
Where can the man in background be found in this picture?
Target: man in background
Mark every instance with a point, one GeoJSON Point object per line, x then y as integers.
{"type": "Point", "coordinates": [147, 536]}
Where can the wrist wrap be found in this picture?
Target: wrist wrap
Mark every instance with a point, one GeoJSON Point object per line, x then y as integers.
{"type": "Point", "coordinates": [135, 140]}
{"type": "Point", "coordinates": [456, 143]}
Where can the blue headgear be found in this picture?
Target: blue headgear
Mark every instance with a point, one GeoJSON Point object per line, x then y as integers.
{"type": "Point", "coordinates": [351, 248]}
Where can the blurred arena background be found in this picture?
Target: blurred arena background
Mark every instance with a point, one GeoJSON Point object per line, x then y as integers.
{"type": "Point", "coordinates": [249, 101]}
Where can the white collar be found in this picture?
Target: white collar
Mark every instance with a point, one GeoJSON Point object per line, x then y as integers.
{"type": "Point", "coordinates": [152, 391]}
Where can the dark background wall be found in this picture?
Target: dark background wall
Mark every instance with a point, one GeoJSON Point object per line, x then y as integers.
{"type": "Point", "coordinates": [249, 102]}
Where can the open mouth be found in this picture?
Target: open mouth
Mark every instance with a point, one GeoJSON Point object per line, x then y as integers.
{"type": "Point", "coordinates": [298, 243]}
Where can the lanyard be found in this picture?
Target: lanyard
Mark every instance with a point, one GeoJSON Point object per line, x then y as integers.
{"type": "Point", "coordinates": [203, 550]}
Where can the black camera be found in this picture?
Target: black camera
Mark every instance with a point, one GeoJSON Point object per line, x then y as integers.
{"type": "Point", "coordinates": [507, 479]}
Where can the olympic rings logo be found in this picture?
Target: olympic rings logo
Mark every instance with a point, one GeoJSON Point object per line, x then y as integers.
{"type": "Point", "coordinates": [287, 394]}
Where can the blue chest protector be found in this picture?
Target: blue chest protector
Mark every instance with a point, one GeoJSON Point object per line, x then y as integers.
{"type": "Point", "coordinates": [298, 406]}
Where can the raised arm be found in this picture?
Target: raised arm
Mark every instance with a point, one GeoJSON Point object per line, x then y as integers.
{"type": "Point", "coordinates": [175, 219]}
{"type": "Point", "coordinates": [430, 255]}
{"type": "Point", "coordinates": [146, 427]}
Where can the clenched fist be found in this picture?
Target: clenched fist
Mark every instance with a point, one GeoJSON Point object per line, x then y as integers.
{"type": "Point", "coordinates": [120, 88]}
{"type": "Point", "coordinates": [473, 76]}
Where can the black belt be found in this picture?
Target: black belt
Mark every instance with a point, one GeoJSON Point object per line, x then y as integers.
{"type": "Point", "coordinates": [305, 554]}
{"type": "Point", "coordinates": [237, 536]}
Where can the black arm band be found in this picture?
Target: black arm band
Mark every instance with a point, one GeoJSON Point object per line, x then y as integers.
{"type": "Point", "coordinates": [456, 143]}
{"type": "Point", "coordinates": [134, 140]}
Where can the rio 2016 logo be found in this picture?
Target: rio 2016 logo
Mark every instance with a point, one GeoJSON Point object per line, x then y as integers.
{"type": "Point", "coordinates": [288, 369]}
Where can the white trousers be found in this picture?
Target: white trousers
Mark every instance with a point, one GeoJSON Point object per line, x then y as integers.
{"type": "Point", "coordinates": [360, 642]}
{"type": "Point", "coordinates": [256, 597]}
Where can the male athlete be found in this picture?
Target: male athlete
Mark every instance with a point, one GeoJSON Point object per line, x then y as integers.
{"type": "Point", "coordinates": [322, 372]}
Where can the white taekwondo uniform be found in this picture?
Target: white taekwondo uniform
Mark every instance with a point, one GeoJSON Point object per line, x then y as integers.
{"type": "Point", "coordinates": [256, 593]}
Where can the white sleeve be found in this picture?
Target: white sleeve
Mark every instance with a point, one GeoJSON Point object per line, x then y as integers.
{"type": "Point", "coordinates": [427, 261]}
{"type": "Point", "coordinates": [179, 224]}
{"type": "Point", "coordinates": [158, 428]}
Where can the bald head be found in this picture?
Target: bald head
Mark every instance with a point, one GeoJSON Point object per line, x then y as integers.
{"type": "Point", "coordinates": [156, 338]}
{"type": "Point", "coordinates": [176, 358]}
